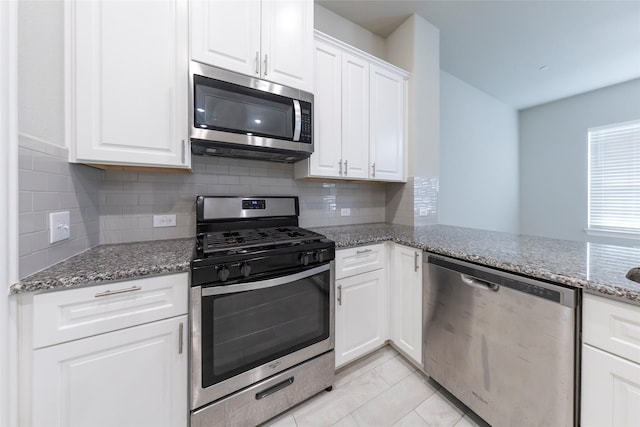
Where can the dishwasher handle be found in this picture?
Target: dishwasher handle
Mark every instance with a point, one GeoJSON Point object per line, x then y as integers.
{"type": "Point", "coordinates": [478, 283]}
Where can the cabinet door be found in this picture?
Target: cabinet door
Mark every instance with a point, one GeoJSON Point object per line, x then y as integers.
{"type": "Point", "coordinates": [387, 124]}
{"type": "Point", "coordinates": [361, 315]}
{"type": "Point", "coordinates": [327, 155]}
{"type": "Point", "coordinates": [128, 74]}
{"type": "Point", "coordinates": [355, 116]}
{"type": "Point", "coordinates": [610, 390]}
{"type": "Point", "coordinates": [226, 34]}
{"type": "Point", "coordinates": [287, 42]}
{"type": "Point", "coordinates": [132, 377]}
{"type": "Point", "coordinates": [405, 288]}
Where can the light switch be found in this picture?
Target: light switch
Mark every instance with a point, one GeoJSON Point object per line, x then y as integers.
{"type": "Point", "coordinates": [345, 212]}
{"type": "Point", "coordinates": [59, 226]}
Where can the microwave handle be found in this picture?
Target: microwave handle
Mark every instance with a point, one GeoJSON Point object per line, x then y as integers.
{"type": "Point", "coordinates": [297, 115]}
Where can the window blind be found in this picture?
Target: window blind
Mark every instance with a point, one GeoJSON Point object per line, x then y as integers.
{"type": "Point", "coordinates": [614, 178]}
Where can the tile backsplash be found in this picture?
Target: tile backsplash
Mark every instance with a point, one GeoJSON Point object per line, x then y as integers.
{"type": "Point", "coordinates": [118, 207]}
{"type": "Point", "coordinates": [48, 183]}
{"type": "Point", "coordinates": [128, 200]}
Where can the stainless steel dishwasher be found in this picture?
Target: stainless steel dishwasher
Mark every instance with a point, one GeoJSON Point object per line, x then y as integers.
{"type": "Point", "coordinates": [503, 344]}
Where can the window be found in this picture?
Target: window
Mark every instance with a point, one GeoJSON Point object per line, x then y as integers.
{"type": "Point", "coordinates": [614, 178]}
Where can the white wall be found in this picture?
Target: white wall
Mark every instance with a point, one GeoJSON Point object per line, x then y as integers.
{"type": "Point", "coordinates": [478, 158]}
{"type": "Point", "coordinates": [8, 190]}
{"type": "Point", "coordinates": [336, 26]}
{"type": "Point", "coordinates": [415, 46]}
{"type": "Point", "coordinates": [553, 159]}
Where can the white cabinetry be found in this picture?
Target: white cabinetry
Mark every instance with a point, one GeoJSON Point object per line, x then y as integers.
{"type": "Point", "coordinates": [268, 39]}
{"type": "Point", "coordinates": [361, 302]}
{"type": "Point", "coordinates": [386, 124]}
{"type": "Point", "coordinates": [127, 83]}
{"type": "Point", "coordinates": [113, 354]}
{"type": "Point", "coordinates": [610, 363]}
{"type": "Point", "coordinates": [405, 286]}
{"type": "Point", "coordinates": [359, 116]}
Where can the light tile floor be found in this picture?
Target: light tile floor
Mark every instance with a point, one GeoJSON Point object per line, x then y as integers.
{"type": "Point", "coordinates": [380, 390]}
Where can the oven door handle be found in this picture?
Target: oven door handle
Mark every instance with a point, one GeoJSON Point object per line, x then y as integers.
{"type": "Point", "coordinates": [277, 281]}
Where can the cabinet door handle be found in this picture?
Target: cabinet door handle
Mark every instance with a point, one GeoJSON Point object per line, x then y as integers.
{"type": "Point", "coordinates": [180, 341]}
{"type": "Point", "coordinates": [373, 166]}
{"type": "Point", "coordinates": [119, 291]}
{"type": "Point", "coordinates": [257, 63]}
{"type": "Point", "coordinates": [340, 164]}
{"type": "Point", "coordinates": [266, 67]}
{"type": "Point", "coordinates": [339, 294]}
{"type": "Point", "coordinates": [184, 151]}
{"type": "Point", "coordinates": [416, 267]}
{"type": "Point", "coordinates": [346, 171]}
{"type": "Point", "coordinates": [364, 251]}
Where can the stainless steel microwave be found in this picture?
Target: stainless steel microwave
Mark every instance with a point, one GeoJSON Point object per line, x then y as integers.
{"type": "Point", "coordinates": [234, 115]}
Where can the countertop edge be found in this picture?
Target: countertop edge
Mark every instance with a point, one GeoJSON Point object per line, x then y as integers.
{"type": "Point", "coordinates": [594, 288]}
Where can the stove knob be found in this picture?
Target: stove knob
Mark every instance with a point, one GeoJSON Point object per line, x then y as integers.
{"type": "Point", "coordinates": [245, 269]}
{"type": "Point", "coordinates": [318, 256]}
{"type": "Point", "coordinates": [223, 272]}
{"type": "Point", "coordinates": [303, 258]}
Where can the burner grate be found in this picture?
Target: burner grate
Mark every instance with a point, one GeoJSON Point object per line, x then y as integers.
{"type": "Point", "coordinates": [252, 238]}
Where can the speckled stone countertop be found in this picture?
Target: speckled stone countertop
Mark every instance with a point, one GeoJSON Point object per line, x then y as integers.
{"type": "Point", "coordinates": [599, 269]}
{"type": "Point", "coordinates": [107, 263]}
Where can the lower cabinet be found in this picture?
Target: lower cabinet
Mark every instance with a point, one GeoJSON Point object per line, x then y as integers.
{"type": "Point", "coordinates": [610, 363]}
{"type": "Point", "coordinates": [378, 298]}
{"type": "Point", "coordinates": [610, 390]}
{"type": "Point", "coordinates": [114, 354]}
{"type": "Point", "coordinates": [132, 377]}
{"type": "Point", "coordinates": [405, 287]}
{"type": "Point", "coordinates": [361, 315]}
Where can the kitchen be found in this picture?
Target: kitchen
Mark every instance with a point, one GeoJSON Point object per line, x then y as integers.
{"type": "Point", "coordinates": [118, 206]}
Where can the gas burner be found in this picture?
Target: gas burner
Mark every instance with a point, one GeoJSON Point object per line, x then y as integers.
{"type": "Point", "coordinates": [256, 239]}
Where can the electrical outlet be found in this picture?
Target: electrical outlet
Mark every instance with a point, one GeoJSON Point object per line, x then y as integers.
{"type": "Point", "coordinates": [424, 212]}
{"type": "Point", "coordinates": [59, 226]}
{"type": "Point", "coordinates": [345, 212]}
{"type": "Point", "coordinates": [164, 220]}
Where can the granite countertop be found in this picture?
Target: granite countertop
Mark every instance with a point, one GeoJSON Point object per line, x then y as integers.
{"type": "Point", "coordinates": [599, 269]}
{"type": "Point", "coordinates": [115, 262]}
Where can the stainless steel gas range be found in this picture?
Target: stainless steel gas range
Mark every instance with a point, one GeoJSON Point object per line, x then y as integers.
{"type": "Point", "coordinates": [262, 310]}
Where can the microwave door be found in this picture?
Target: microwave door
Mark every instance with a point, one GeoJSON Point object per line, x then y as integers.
{"type": "Point", "coordinates": [222, 106]}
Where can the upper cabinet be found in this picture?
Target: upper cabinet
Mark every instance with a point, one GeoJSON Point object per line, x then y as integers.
{"type": "Point", "coordinates": [386, 123]}
{"type": "Point", "coordinates": [268, 39]}
{"type": "Point", "coordinates": [359, 116]}
{"type": "Point", "coordinates": [127, 83]}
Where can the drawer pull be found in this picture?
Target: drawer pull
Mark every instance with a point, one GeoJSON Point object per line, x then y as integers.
{"type": "Point", "coordinates": [364, 251]}
{"type": "Point", "coordinates": [119, 291]}
{"type": "Point", "coordinates": [275, 388]}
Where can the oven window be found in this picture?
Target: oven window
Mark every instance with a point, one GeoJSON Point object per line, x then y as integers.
{"type": "Point", "coordinates": [247, 329]}
{"type": "Point", "coordinates": [227, 107]}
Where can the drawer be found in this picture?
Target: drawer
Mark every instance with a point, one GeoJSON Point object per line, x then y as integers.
{"type": "Point", "coordinates": [359, 260]}
{"type": "Point", "coordinates": [612, 326]}
{"type": "Point", "coordinates": [71, 314]}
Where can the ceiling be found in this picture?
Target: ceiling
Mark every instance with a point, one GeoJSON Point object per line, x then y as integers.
{"type": "Point", "coordinates": [500, 47]}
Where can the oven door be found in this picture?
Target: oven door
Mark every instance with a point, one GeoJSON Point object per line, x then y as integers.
{"type": "Point", "coordinates": [246, 332]}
